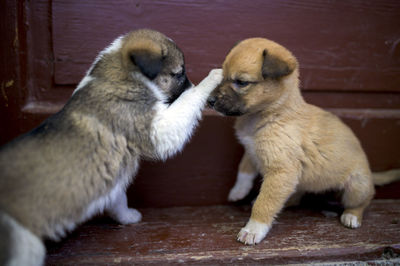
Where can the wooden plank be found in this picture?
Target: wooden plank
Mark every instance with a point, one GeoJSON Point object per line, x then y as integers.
{"type": "Point", "coordinates": [356, 100]}
{"type": "Point", "coordinates": [341, 45]}
{"type": "Point", "coordinates": [206, 169]}
{"type": "Point", "coordinates": [39, 57]}
{"type": "Point", "coordinates": [51, 103]}
{"type": "Point", "coordinates": [206, 235]}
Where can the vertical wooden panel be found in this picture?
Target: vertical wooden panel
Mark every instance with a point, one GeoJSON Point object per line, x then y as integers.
{"type": "Point", "coordinates": [11, 85]}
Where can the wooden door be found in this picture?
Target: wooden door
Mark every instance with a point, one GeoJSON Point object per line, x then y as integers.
{"type": "Point", "coordinates": [349, 52]}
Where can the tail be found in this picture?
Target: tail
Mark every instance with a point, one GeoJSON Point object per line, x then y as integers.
{"type": "Point", "coordinates": [18, 246]}
{"type": "Point", "coordinates": [383, 178]}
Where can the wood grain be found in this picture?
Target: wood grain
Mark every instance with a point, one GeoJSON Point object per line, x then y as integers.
{"type": "Point", "coordinates": [341, 45]}
{"type": "Point", "coordinates": [333, 40]}
{"type": "Point", "coordinates": [206, 235]}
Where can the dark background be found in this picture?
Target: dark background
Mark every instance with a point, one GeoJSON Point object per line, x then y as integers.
{"type": "Point", "coordinates": [349, 52]}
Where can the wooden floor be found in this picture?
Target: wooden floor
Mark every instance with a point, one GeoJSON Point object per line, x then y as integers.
{"type": "Point", "coordinates": [206, 235]}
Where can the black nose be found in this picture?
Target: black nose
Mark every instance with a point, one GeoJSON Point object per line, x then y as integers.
{"type": "Point", "coordinates": [211, 101]}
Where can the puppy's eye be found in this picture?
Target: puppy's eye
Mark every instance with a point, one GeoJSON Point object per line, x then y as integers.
{"type": "Point", "coordinates": [241, 83]}
{"type": "Point", "coordinates": [179, 74]}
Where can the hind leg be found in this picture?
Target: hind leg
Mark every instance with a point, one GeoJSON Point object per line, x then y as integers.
{"type": "Point", "coordinates": [120, 212]}
{"type": "Point", "coordinates": [358, 192]}
{"type": "Point", "coordinates": [18, 246]}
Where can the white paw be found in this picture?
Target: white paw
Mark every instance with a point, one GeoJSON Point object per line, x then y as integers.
{"type": "Point", "coordinates": [350, 220]}
{"type": "Point", "coordinates": [128, 216]}
{"type": "Point", "coordinates": [239, 192]}
{"type": "Point", "coordinates": [253, 232]}
{"type": "Point", "coordinates": [215, 76]}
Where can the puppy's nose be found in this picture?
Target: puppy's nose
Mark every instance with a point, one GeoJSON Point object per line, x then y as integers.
{"type": "Point", "coordinates": [211, 101]}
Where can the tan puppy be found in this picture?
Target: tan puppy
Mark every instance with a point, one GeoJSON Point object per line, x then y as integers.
{"type": "Point", "coordinates": [295, 146]}
{"type": "Point", "coordinates": [135, 102]}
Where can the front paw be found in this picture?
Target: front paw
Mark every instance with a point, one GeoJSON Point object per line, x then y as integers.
{"type": "Point", "coordinates": [128, 216]}
{"type": "Point", "coordinates": [214, 78]}
{"type": "Point", "coordinates": [216, 75]}
{"type": "Point", "coordinates": [253, 232]}
{"type": "Point", "coordinates": [350, 220]}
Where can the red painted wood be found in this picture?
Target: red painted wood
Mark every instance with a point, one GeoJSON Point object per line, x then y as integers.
{"type": "Point", "coordinates": [38, 35]}
{"type": "Point", "coordinates": [206, 236]}
{"type": "Point", "coordinates": [341, 45]}
{"type": "Point", "coordinates": [26, 70]}
{"type": "Point", "coordinates": [356, 100]}
{"type": "Point", "coordinates": [350, 57]}
{"type": "Point", "coordinates": [10, 95]}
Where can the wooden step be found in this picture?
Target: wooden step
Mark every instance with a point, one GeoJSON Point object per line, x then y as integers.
{"type": "Point", "coordinates": [207, 235]}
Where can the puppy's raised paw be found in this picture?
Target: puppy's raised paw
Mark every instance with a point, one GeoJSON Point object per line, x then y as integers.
{"type": "Point", "coordinates": [216, 75]}
{"type": "Point", "coordinates": [213, 79]}
{"type": "Point", "coordinates": [253, 232]}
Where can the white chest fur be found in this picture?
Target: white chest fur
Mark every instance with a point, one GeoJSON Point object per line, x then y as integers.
{"type": "Point", "coordinates": [246, 128]}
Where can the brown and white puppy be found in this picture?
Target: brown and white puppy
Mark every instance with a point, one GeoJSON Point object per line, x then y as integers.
{"type": "Point", "coordinates": [295, 146]}
{"type": "Point", "coordinates": [135, 102]}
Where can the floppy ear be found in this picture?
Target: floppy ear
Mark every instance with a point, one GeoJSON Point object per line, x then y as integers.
{"type": "Point", "coordinates": [274, 67]}
{"type": "Point", "coordinates": [147, 61]}
{"type": "Point", "coordinates": [146, 54]}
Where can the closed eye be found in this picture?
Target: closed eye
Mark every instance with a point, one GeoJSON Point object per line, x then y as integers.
{"type": "Point", "coordinates": [241, 83]}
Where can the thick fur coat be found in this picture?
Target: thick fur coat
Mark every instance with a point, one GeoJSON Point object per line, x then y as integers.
{"type": "Point", "coordinates": [134, 102]}
{"type": "Point", "coordinates": [295, 146]}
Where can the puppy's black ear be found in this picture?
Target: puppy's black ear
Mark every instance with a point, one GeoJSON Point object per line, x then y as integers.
{"type": "Point", "coordinates": [149, 63]}
{"type": "Point", "coordinates": [274, 67]}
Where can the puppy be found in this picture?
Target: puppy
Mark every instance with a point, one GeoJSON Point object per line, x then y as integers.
{"type": "Point", "coordinates": [135, 102]}
{"type": "Point", "coordinates": [295, 146]}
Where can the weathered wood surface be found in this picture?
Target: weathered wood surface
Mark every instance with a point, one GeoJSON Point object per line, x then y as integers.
{"type": "Point", "coordinates": [32, 45]}
{"type": "Point", "coordinates": [206, 235]}
{"type": "Point", "coordinates": [341, 45]}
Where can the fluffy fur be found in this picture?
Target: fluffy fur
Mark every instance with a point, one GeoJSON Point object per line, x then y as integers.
{"type": "Point", "coordinates": [295, 146]}
{"type": "Point", "coordinates": [134, 102]}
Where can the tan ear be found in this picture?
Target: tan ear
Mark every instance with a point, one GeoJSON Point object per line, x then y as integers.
{"type": "Point", "coordinates": [147, 55]}
{"type": "Point", "coordinates": [274, 67]}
